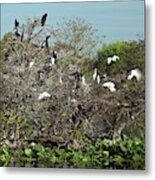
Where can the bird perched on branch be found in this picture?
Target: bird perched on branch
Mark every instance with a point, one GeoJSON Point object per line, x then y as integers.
{"type": "Point", "coordinates": [98, 79]}
{"type": "Point", "coordinates": [46, 41]}
{"type": "Point", "coordinates": [83, 80]}
{"type": "Point", "coordinates": [95, 74]}
{"type": "Point", "coordinates": [54, 57]}
{"type": "Point", "coordinates": [44, 95]}
{"type": "Point", "coordinates": [110, 85]}
{"type": "Point", "coordinates": [17, 34]}
{"type": "Point", "coordinates": [43, 19]}
{"type": "Point", "coordinates": [16, 24]}
{"type": "Point", "coordinates": [112, 59]}
{"type": "Point", "coordinates": [135, 73]}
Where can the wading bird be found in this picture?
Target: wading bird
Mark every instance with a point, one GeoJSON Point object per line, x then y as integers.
{"type": "Point", "coordinates": [83, 80]}
{"type": "Point", "coordinates": [114, 58]}
{"type": "Point", "coordinates": [110, 85]}
{"type": "Point", "coordinates": [54, 57]}
{"type": "Point", "coordinates": [44, 95]}
{"type": "Point", "coordinates": [98, 79]}
{"type": "Point", "coordinates": [95, 74]}
{"type": "Point", "coordinates": [135, 73]}
{"type": "Point", "coordinates": [31, 64]}
{"type": "Point", "coordinates": [60, 80]}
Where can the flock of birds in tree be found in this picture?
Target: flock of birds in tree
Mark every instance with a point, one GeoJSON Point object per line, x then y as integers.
{"type": "Point", "coordinates": [45, 43]}
{"type": "Point", "coordinates": [134, 73]}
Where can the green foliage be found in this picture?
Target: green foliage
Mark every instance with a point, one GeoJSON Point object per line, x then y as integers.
{"type": "Point", "coordinates": [120, 154]}
{"type": "Point", "coordinates": [131, 55]}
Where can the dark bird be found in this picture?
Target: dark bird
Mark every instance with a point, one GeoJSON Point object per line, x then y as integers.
{"type": "Point", "coordinates": [54, 57]}
{"type": "Point", "coordinates": [43, 19]}
{"type": "Point", "coordinates": [17, 34]}
{"type": "Point", "coordinates": [46, 41]}
{"type": "Point", "coordinates": [16, 24]}
{"type": "Point", "coordinates": [55, 54]}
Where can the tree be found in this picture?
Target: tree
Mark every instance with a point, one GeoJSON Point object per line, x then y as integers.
{"type": "Point", "coordinates": [76, 35]}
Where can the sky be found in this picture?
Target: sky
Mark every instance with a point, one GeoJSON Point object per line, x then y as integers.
{"type": "Point", "coordinates": [113, 20]}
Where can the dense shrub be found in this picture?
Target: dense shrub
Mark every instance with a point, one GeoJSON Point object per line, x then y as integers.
{"type": "Point", "coordinates": [131, 55]}
{"type": "Point", "coordinates": [121, 154]}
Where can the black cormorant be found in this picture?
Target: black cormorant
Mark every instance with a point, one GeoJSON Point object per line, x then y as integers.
{"type": "Point", "coordinates": [46, 41]}
{"type": "Point", "coordinates": [16, 24]}
{"type": "Point", "coordinates": [17, 34]}
{"type": "Point", "coordinates": [43, 19]}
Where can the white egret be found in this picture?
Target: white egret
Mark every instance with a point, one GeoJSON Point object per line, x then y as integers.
{"type": "Point", "coordinates": [114, 58]}
{"type": "Point", "coordinates": [83, 80]}
{"type": "Point", "coordinates": [44, 95]}
{"type": "Point", "coordinates": [109, 60]}
{"type": "Point", "coordinates": [98, 79]}
{"type": "Point", "coordinates": [95, 74]}
{"type": "Point", "coordinates": [31, 64]}
{"type": "Point", "coordinates": [53, 58]}
{"type": "Point", "coordinates": [110, 85]}
{"type": "Point", "coordinates": [60, 80]}
{"type": "Point", "coordinates": [135, 73]}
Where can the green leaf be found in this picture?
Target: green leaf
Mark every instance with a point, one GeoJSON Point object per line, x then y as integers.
{"type": "Point", "coordinates": [28, 152]}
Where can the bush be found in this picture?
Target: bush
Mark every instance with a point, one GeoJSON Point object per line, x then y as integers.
{"type": "Point", "coordinates": [131, 56]}
{"type": "Point", "coordinates": [106, 154]}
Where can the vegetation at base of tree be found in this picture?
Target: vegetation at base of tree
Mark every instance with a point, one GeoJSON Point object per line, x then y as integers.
{"type": "Point", "coordinates": [105, 154]}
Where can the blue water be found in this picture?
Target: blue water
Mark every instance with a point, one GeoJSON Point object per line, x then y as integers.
{"type": "Point", "coordinates": [115, 20]}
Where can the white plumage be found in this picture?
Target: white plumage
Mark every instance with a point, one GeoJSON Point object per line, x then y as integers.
{"type": "Point", "coordinates": [31, 64]}
{"type": "Point", "coordinates": [95, 74]}
{"type": "Point", "coordinates": [135, 73]}
{"type": "Point", "coordinates": [110, 85]}
{"type": "Point", "coordinates": [109, 60]}
{"type": "Point", "coordinates": [43, 95]}
{"type": "Point", "coordinates": [83, 80]}
{"type": "Point", "coordinates": [114, 58]}
{"type": "Point", "coordinates": [60, 80]}
{"type": "Point", "coordinates": [53, 60]}
{"type": "Point", "coordinates": [98, 79]}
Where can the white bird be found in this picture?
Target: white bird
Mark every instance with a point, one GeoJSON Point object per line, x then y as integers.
{"type": "Point", "coordinates": [44, 95]}
{"type": "Point", "coordinates": [114, 58]}
{"type": "Point", "coordinates": [31, 64]}
{"type": "Point", "coordinates": [83, 81]}
{"type": "Point", "coordinates": [98, 79]}
{"type": "Point", "coordinates": [109, 60]}
{"type": "Point", "coordinates": [135, 73]}
{"type": "Point", "coordinates": [60, 80]}
{"type": "Point", "coordinates": [110, 85]}
{"type": "Point", "coordinates": [53, 60]}
{"type": "Point", "coordinates": [95, 74]}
